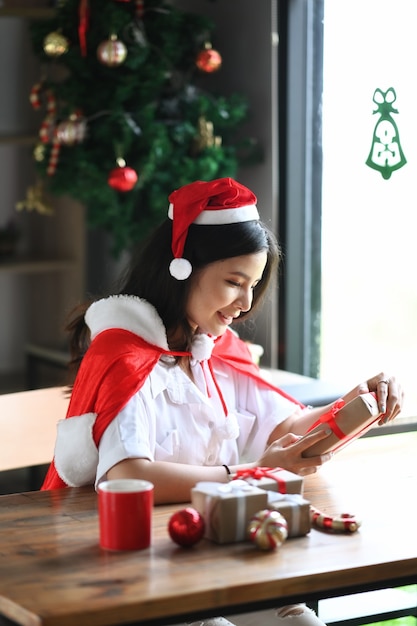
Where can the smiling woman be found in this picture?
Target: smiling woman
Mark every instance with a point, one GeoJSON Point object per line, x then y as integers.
{"type": "Point", "coordinates": [165, 390]}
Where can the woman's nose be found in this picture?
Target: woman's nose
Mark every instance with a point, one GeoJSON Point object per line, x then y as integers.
{"type": "Point", "coordinates": [244, 300]}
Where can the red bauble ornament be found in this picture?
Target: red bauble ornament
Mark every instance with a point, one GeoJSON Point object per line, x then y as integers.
{"type": "Point", "coordinates": [208, 60]}
{"type": "Point", "coordinates": [186, 527]}
{"type": "Point", "coordinates": [112, 52]}
{"type": "Point", "coordinates": [122, 178]}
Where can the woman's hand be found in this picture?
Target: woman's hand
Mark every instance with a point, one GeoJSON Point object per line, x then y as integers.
{"type": "Point", "coordinates": [287, 453]}
{"type": "Point", "coordinates": [388, 392]}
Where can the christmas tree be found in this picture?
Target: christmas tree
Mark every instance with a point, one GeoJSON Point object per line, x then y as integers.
{"type": "Point", "coordinates": [128, 111]}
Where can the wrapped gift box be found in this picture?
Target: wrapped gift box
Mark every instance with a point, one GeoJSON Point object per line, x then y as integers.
{"type": "Point", "coordinates": [277, 479]}
{"type": "Point", "coordinates": [295, 509]}
{"type": "Point", "coordinates": [347, 422]}
{"type": "Point", "coordinates": [227, 508]}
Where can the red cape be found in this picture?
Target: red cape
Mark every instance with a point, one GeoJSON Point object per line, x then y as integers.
{"type": "Point", "coordinates": [109, 377]}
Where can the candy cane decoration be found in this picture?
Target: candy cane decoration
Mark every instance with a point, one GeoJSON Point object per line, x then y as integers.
{"type": "Point", "coordinates": [47, 131]}
{"type": "Point", "coordinates": [47, 125]}
{"type": "Point", "coordinates": [54, 156]}
{"type": "Point", "coordinates": [34, 95]}
{"type": "Point", "coordinates": [344, 523]}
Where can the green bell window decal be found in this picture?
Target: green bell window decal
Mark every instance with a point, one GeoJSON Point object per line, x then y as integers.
{"type": "Point", "coordinates": [386, 154]}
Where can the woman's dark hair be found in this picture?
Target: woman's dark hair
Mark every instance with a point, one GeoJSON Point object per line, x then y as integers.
{"type": "Point", "coordinates": [148, 273]}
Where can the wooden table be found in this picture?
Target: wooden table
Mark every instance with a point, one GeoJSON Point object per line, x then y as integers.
{"type": "Point", "coordinates": [52, 570]}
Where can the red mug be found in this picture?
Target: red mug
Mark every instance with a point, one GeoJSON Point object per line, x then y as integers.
{"type": "Point", "coordinates": [125, 514]}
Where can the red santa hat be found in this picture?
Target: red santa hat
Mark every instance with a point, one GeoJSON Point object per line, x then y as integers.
{"type": "Point", "coordinates": [221, 201]}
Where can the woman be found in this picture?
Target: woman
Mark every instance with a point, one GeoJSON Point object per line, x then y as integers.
{"type": "Point", "coordinates": [165, 390]}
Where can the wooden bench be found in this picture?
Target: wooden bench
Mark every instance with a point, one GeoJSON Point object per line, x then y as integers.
{"type": "Point", "coordinates": [28, 421]}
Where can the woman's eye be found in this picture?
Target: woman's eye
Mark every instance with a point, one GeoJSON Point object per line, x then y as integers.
{"type": "Point", "coordinates": [234, 283]}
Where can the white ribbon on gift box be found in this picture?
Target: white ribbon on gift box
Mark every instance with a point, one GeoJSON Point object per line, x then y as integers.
{"type": "Point", "coordinates": [237, 488]}
{"type": "Point", "coordinates": [295, 500]}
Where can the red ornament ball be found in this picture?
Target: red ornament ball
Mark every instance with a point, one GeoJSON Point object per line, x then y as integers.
{"type": "Point", "coordinates": [186, 527]}
{"type": "Point", "coordinates": [122, 178]}
{"type": "Point", "coordinates": [208, 60]}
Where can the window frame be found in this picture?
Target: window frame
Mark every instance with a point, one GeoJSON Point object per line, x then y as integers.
{"type": "Point", "coordinates": [300, 84]}
{"type": "Point", "coordinates": [300, 173]}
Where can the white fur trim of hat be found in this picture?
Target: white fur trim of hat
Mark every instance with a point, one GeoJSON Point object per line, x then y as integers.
{"type": "Point", "coordinates": [216, 202]}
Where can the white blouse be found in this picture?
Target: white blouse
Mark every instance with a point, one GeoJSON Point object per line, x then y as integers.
{"type": "Point", "coordinates": [173, 419]}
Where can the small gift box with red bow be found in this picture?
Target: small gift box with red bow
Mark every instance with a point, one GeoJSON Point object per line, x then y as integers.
{"type": "Point", "coordinates": [295, 509]}
{"type": "Point", "coordinates": [227, 508]}
{"type": "Point", "coordinates": [347, 422]}
{"type": "Point", "coordinates": [272, 479]}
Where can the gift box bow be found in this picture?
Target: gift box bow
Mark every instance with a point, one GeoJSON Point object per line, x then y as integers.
{"type": "Point", "coordinates": [257, 473]}
{"type": "Point", "coordinates": [295, 499]}
{"type": "Point", "coordinates": [234, 487]}
{"type": "Point", "coordinates": [329, 418]}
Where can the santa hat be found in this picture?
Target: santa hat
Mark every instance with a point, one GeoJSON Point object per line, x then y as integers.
{"type": "Point", "coordinates": [221, 201]}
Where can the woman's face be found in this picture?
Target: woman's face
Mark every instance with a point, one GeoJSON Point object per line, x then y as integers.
{"type": "Point", "coordinates": [222, 290]}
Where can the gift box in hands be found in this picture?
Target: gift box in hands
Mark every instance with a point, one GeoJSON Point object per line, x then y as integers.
{"type": "Point", "coordinates": [347, 421]}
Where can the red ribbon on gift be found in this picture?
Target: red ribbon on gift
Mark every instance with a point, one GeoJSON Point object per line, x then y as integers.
{"type": "Point", "coordinates": [262, 472]}
{"type": "Point", "coordinates": [329, 418]}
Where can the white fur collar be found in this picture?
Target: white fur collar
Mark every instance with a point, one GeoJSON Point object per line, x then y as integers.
{"type": "Point", "coordinates": [129, 313]}
{"type": "Point", "coordinates": [139, 317]}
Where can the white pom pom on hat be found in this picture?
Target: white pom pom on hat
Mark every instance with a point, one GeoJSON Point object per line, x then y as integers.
{"type": "Point", "coordinates": [220, 201]}
{"type": "Point", "coordinates": [180, 268]}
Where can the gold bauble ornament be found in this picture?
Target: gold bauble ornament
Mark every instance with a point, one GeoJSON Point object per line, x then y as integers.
{"type": "Point", "coordinates": [112, 52]}
{"type": "Point", "coordinates": [55, 44]}
{"type": "Point", "coordinates": [39, 152]}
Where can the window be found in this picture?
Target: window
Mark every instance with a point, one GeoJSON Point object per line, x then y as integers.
{"type": "Point", "coordinates": [348, 301]}
{"type": "Point", "coordinates": [369, 282]}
